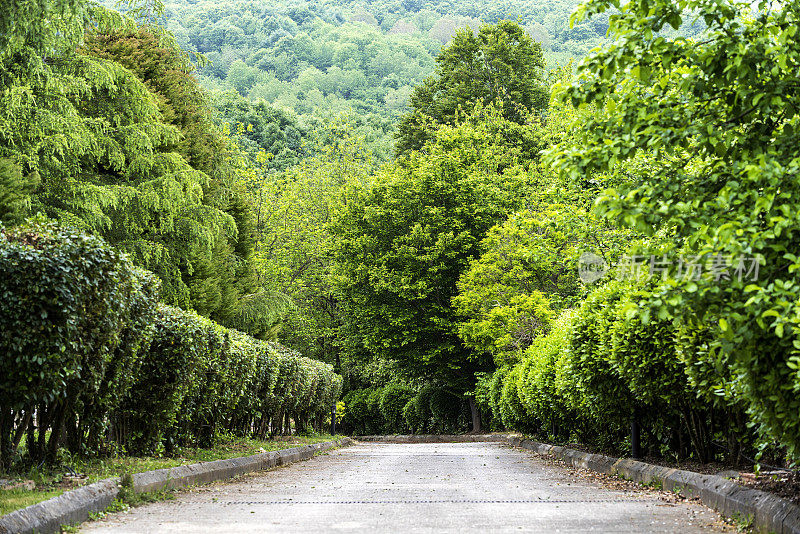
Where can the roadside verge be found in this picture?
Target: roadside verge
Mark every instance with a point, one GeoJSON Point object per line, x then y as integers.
{"type": "Point", "coordinates": [769, 513]}
{"type": "Point", "coordinates": [74, 506]}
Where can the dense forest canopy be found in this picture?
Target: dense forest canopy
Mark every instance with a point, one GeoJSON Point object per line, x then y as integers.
{"type": "Point", "coordinates": [317, 60]}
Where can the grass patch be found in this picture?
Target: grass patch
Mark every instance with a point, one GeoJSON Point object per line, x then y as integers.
{"type": "Point", "coordinates": [11, 500]}
{"type": "Point", "coordinates": [51, 482]}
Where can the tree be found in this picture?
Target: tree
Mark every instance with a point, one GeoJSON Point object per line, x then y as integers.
{"type": "Point", "coordinates": [401, 247]}
{"type": "Point", "coordinates": [527, 272]}
{"type": "Point", "coordinates": [500, 65]}
{"type": "Point", "coordinates": [717, 122]}
{"type": "Point", "coordinates": [295, 208]}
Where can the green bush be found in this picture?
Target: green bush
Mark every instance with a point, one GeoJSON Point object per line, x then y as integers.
{"type": "Point", "coordinates": [199, 379]}
{"type": "Point", "coordinates": [375, 423]}
{"type": "Point", "coordinates": [598, 394]}
{"type": "Point", "coordinates": [411, 419]}
{"type": "Point", "coordinates": [87, 348]}
{"type": "Point", "coordinates": [539, 381]}
{"type": "Point", "coordinates": [174, 361]}
{"type": "Point", "coordinates": [73, 316]}
{"type": "Point", "coordinates": [447, 411]}
{"type": "Point", "coordinates": [512, 412]}
{"type": "Point", "coordinates": [394, 399]}
{"type": "Point", "coordinates": [358, 414]}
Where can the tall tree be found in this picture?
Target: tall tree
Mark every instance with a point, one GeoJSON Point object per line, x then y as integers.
{"type": "Point", "coordinates": [501, 65]}
{"type": "Point", "coordinates": [110, 161]}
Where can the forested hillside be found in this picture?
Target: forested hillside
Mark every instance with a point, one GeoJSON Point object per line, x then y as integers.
{"type": "Point", "coordinates": [318, 60]}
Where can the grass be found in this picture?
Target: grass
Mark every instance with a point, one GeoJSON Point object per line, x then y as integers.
{"type": "Point", "coordinates": [11, 500]}
{"type": "Point", "coordinates": [51, 482]}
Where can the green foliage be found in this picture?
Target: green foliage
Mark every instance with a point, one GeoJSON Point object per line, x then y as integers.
{"type": "Point", "coordinates": [410, 419]}
{"type": "Point", "coordinates": [263, 128]}
{"type": "Point", "coordinates": [422, 419]}
{"type": "Point", "coordinates": [168, 74]}
{"type": "Point", "coordinates": [529, 270]}
{"type": "Point", "coordinates": [15, 191]}
{"type": "Point", "coordinates": [500, 65]}
{"type": "Point", "coordinates": [447, 411]}
{"type": "Point", "coordinates": [541, 385]}
{"type": "Point", "coordinates": [294, 209]}
{"type": "Point", "coordinates": [402, 245]}
{"type": "Point", "coordinates": [716, 126]}
{"type": "Point", "coordinates": [88, 351]}
{"type": "Point", "coordinates": [125, 153]}
{"type": "Point", "coordinates": [394, 399]}
{"type": "Point", "coordinates": [364, 414]}
{"type": "Point", "coordinates": [76, 314]}
{"type": "Point", "coordinates": [597, 389]}
{"type": "Point", "coordinates": [199, 379]}
{"type": "Point", "coordinates": [323, 58]}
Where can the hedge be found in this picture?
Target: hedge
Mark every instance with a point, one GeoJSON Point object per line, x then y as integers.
{"type": "Point", "coordinates": [92, 363]}
{"type": "Point", "coordinates": [199, 379]}
{"type": "Point", "coordinates": [74, 315]}
{"type": "Point", "coordinates": [612, 359]}
{"type": "Point", "coordinates": [396, 408]}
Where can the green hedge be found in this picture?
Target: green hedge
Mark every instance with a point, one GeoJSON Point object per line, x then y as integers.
{"type": "Point", "coordinates": [74, 315]}
{"type": "Point", "coordinates": [199, 379]}
{"type": "Point", "coordinates": [613, 358]}
{"type": "Point", "coordinates": [89, 351]}
{"type": "Point", "coordinates": [394, 399]}
{"type": "Point", "coordinates": [397, 408]}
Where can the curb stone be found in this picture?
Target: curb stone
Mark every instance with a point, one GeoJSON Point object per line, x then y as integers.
{"type": "Point", "coordinates": [769, 512]}
{"type": "Point", "coordinates": [74, 506]}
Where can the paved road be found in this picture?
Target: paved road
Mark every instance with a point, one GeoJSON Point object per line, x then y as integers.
{"type": "Point", "coordinates": [380, 487]}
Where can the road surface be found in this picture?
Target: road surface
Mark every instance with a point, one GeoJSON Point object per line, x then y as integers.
{"type": "Point", "coordinates": [409, 488]}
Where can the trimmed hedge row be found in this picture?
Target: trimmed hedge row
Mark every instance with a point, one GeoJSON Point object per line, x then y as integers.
{"type": "Point", "coordinates": [397, 409]}
{"type": "Point", "coordinates": [91, 362]}
{"type": "Point", "coordinates": [216, 379]}
{"type": "Point", "coordinates": [612, 360]}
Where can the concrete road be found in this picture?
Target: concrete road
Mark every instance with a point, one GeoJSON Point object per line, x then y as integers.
{"type": "Point", "coordinates": [380, 487]}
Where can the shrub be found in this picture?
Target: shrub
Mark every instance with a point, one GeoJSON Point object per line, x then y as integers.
{"type": "Point", "coordinates": [512, 412]}
{"type": "Point", "coordinates": [87, 349]}
{"type": "Point", "coordinates": [168, 370]}
{"type": "Point", "coordinates": [422, 408]}
{"type": "Point", "coordinates": [538, 380]}
{"type": "Point", "coordinates": [410, 416]}
{"type": "Point", "coordinates": [69, 302]}
{"type": "Point", "coordinates": [598, 394]}
{"type": "Point", "coordinates": [393, 401]}
{"type": "Point", "coordinates": [447, 411]}
{"type": "Point", "coordinates": [357, 412]}
{"type": "Point", "coordinates": [375, 423]}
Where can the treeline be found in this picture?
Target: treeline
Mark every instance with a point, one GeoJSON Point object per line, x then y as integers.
{"type": "Point", "coordinates": [94, 364]}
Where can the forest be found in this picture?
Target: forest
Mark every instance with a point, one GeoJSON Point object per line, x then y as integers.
{"type": "Point", "coordinates": [226, 218]}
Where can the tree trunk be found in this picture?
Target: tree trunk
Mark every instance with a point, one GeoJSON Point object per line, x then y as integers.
{"type": "Point", "coordinates": [6, 429]}
{"type": "Point", "coordinates": [476, 416]}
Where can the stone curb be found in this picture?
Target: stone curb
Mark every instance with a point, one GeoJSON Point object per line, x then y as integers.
{"type": "Point", "coordinates": [74, 506]}
{"type": "Point", "coordinates": [769, 512]}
